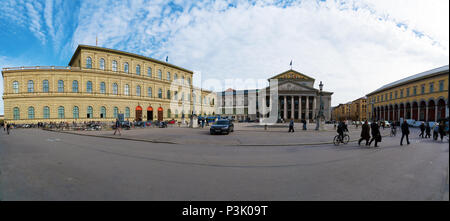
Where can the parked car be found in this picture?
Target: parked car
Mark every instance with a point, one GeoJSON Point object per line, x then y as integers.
{"type": "Point", "coordinates": [222, 126]}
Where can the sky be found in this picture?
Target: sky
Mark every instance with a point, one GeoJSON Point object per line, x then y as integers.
{"type": "Point", "coordinates": [353, 47]}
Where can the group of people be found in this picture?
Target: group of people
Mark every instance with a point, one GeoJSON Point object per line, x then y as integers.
{"type": "Point", "coordinates": [291, 126]}
{"type": "Point", "coordinates": [438, 129]}
{"type": "Point", "coordinates": [374, 130]}
{"type": "Point", "coordinates": [6, 127]}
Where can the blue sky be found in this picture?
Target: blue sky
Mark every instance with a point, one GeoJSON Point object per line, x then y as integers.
{"type": "Point", "coordinates": [353, 46]}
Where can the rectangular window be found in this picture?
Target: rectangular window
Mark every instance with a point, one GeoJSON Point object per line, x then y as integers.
{"type": "Point", "coordinates": [422, 89]}
{"type": "Point", "coordinates": [395, 94]}
{"type": "Point", "coordinates": [431, 87]}
{"type": "Point", "coordinates": [390, 96]}
{"type": "Point", "coordinates": [441, 85]}
{"type": "Point", "coordinates": [401, 93]}
{"type": "Point", "coordinates": [386, 97]}
{"type": "Point", "coordinates": [407, 92]}
{"type": "Point", "coordinates": [415, 90]}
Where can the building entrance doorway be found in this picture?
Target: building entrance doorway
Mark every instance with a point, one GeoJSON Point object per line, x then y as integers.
{"type": "Point", "coordinates": [149, 113]}
{"type": "Point", "coordinates": [160, 114]}
{"type": "Point", "coordinates": [138, 113]}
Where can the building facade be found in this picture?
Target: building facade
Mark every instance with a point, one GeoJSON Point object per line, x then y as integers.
{"type": "Point", "coordinates": [421, 97]}
{"type": "Point", "coordinates": [98, 85]}
{"type": "Point", "coordinates": [297, 100]}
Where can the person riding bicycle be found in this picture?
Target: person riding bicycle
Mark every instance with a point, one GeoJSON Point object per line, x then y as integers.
{"type": "Point", "coordinates": [342, 127]}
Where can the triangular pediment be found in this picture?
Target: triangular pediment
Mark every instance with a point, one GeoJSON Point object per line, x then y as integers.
{"type": "Point", "coordinates": [294, 86]}
{"type": "Point", "coordinates": [292, 74]}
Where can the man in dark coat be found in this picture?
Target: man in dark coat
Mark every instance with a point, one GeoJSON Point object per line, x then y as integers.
{"type": "Point", "coordinates": [405, 132]}
{"type": "Point", "coordinates": [291, 126]}
{"type": "Point", "coordinates": [422, 129]}
{"type": "Point", "coordinates": [428, 130]}
{"type": "Point", "coordinates": [441, 129]}
{"type": "Point", "coordinates": [365, 133]}
{"type": "Point", "coordinates": [376, 136]}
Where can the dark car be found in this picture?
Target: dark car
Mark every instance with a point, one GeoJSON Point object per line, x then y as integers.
{"type": "Point", "coordinates": [222, 126]}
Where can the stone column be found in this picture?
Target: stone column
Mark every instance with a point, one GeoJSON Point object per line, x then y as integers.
{"type": "Point", "coordinates": [314, 108]}
{"type": "Point", "coordinates": [411, 115]}
{"type": "Point", "coordinates": [435, 112]}
{"type": "Point", "coordinates": [398, 115]}
{"type": "Point", "coordinates": [285, 108]}
{"type": "Point", "coordinates": [404, 112]}
{"type": "Point", "coordinates": [300, 107]}
{"type": "Point", "coordinates": [307, 108]}
{"type": "Point", "coordinates": [418, 112]}
{"type": "Point", "coordinates": [292, 107]}
{"type": "Point", "coordinates": [426, 112]}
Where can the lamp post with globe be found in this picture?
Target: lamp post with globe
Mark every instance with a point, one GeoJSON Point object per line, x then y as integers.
{"type": "Point", "coordinates": [320, 114]}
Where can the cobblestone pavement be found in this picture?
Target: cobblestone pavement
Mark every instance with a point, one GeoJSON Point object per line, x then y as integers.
{"type": "Point", "coordinates": [244, 134]}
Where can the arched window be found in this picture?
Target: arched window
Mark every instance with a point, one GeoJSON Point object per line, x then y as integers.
{"type": "Point", "coordinates": [189, 81]}
{"type": "Point", "coordinates": [61, 112]}
{"type": "Point", "coordinates": [182, 79]}
{"type": "Point", "coordinates": [15, 87]}
{"type": "Point", "coordinates": [149, 92]}
{"type": "Point", "coordinates": [125, 67]}
{"type": "Point", "coordinates": [176, 113]}
{"type": "Point", "coordinates": [138, 90]}
{"type": "Point", "coordinates": [74, 86]}
{"type": "Point", "coordinates": [102, 112]}
{"type": "Point", "coordinates": [31, 113]}
{"type": "Point", "coordinates": [138, 69]}
{"type": "Point", "coordinates": [102, 87]}
{"type": "Point", "coordinates": [115, 89]}
{"type": "Point", "coordinates": [175, 77]}
{"type": "Point", "coordinates": [168, 76]}
{"type": "Point", "coordinates": [89, 86]}
{"type": "Point", "coordinates": [160, 93]}
{"type": "Point", "coordinates": [149, 72]}
{"type": "Point", "coordinates": [16, 113]}
{"type": "Point", "coordinates": [60, 86]}
{"type": "Point", "coordinates": [168, 94]}
{"type": "Point", "coordinates": [175, 95]}
{"type": "Point", "coordinates": [114, 65]}
{"type": "Point", "coordinates": [127, 112]}
{"type": "Point", "coordinates": [169, 113]}
{"type": "Point", "coordinates": [46, 112]}
{"type": "Point", "coordinates": [76, 113]}
{"type": "Point", "coordinates": [116, 112]}
{"type": "Point", "coordinates": [90, 112]}
{"type": "Point", "coordinates": [88, 62]}
{"type": "Point", "coordinates": [30, 86]}
{"type": "Point", "coordinates": [159, 74]}
{"type": "Point", "coordinates": [45, 86]}
{"type": "Point", "coordinates": [102, 64]}
{"type": "Point", "coordinates": [127, 89]}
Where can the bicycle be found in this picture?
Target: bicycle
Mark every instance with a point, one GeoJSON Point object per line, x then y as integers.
{"type": "Point", "coordinates": [337, 139]}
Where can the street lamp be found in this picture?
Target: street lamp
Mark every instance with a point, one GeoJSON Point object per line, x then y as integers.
{"type": "Point", "coordinates": [320, 114]}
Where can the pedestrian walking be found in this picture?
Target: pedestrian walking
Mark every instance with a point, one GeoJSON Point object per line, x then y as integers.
{"type": "Point", "coordinates": [365, 133]}
{"type": "Point", "coordinates": [8, 127]}
{"type": "Point", "coordinates": [203, 122]}
{"type": "Point", "coordinates": [442, 130]}
{"type": "Point", "coordinates": [427, 130]}
{"type": "Point", "coordinates": [436, 131]}
{"type": "Point", "coordinates": [376, 136]}
{"type": "Point", "coordinates": [405, 132]}
{"type": "Point", "coordinates": [4, 126]}
{"type": "Point", "coordinates": [422, 129]}
{"type": "Point", "coordinates": [291, 126]}
{"type": "Point", "coordinates": [304, 124]}
{"type": "Point", "coordinates": [117, 127]}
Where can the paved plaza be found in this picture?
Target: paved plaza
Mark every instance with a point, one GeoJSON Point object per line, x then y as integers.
{"type": "Point", "coordinates": [252, 134]}
{"type": "Point", "coordinates": [45, 165]}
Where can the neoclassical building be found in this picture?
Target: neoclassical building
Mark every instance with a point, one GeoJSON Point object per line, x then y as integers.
{"type": "Point", "coordinates": [98, 85]}
{"type": "Point", "coordinates": [422, 97]}
{"type": "Point", "coordinates": [297, 99]}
